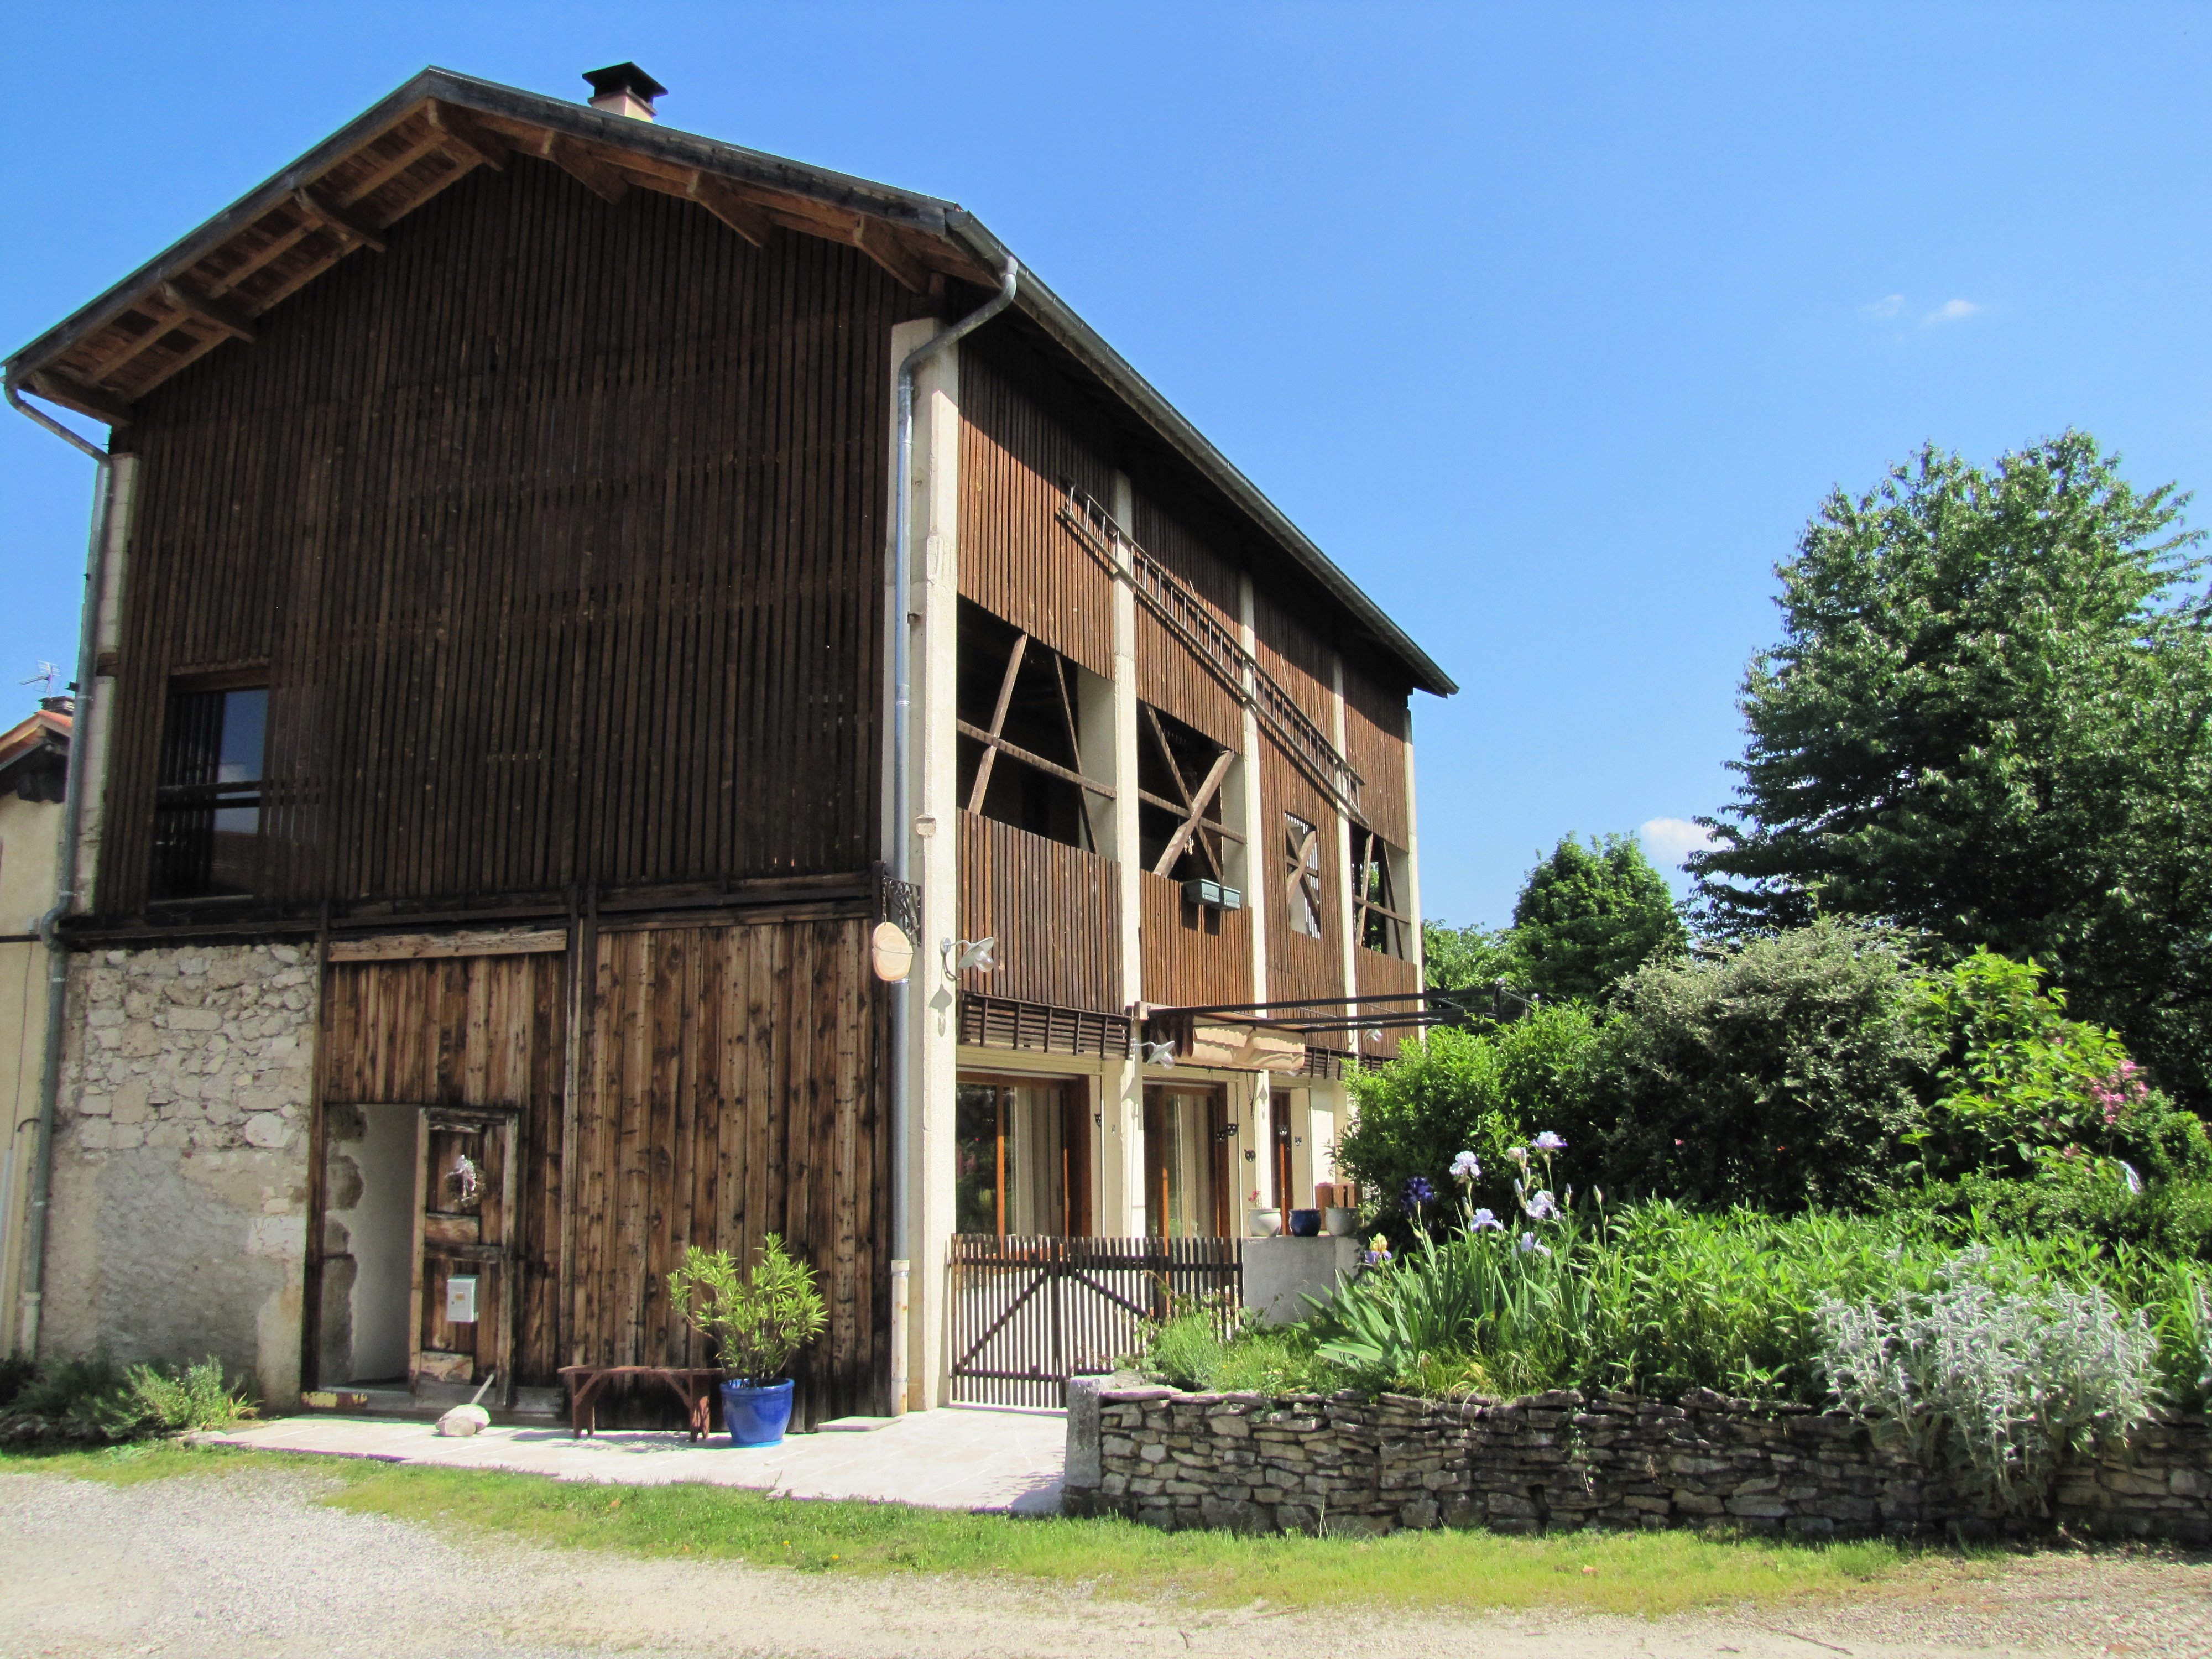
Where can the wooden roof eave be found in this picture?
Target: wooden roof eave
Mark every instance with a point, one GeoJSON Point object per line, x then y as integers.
{"type": "Point", "coordinates": [904, 211]}
{"type": "Point", "coordinates": [910, 234]}
{"type": "Point", "coordinates": [1059, 320]}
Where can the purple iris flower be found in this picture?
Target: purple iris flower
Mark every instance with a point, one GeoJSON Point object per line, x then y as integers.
{"type": "Point", "coordinates": [1548, 1142]}
{"type": "Point", "coordinates": [1418, 1191]}
{"type": "Point", "coordinates": [1529, 1245]}
{"type": "Point", "coordinates": [1482, 1220]}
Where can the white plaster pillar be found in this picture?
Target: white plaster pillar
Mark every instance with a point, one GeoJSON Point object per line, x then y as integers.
{"type": "Point", "coordinates": [1248, 808]}
{"type": "Point", "coordinates": [1416, 947]}
{"type": "Point", "coordinates": [933, 753]}
{"type": "Point", "coordinates": [1349, 950]}
{"type": "Point", "coordinates": [1121, 1148]}
{"type": "Point", "coordinates": [91, 733]}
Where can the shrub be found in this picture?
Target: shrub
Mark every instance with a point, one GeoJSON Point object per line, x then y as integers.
{"type": "Point", "coordinates": [95, 1398]}
{"type": "Point", "coordinates": [1783, 1074]}
{"type": "Point", "coordinates": [758, 1324]}
{"type": "Point", "coordinates": [2022, 1088]}
{"type": "Point", "coordinates": [1476, 1091]}
{"type": "Point", "coordinates": [1188, 1351]}
{"type": "Point", "coordinates": [1994, 1383]}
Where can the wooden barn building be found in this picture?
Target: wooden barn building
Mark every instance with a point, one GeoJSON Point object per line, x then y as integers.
{"type": "Point", "coordinates": [522, 676]}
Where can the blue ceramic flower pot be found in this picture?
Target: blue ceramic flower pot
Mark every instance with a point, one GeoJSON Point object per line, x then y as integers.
{"type": "Point", "coordinates": [1305, 1223]}
{"type": "Point", "coordinates": [756, 1416]}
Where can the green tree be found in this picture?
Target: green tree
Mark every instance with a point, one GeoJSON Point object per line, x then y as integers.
{"type": "Point", "coordinates": [1986, 721]}
{"type": "Point", "coordinates": [1589, 915]}
{"type": "Point", "coordinates": [1787, 1072]}
{"type": "Point", "coordinates": [1455, 958]}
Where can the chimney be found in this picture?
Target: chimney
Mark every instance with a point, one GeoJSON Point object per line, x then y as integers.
{"type": "Point", "coordinates": [623, 89]}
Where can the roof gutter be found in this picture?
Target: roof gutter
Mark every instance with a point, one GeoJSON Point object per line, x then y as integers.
{"type": "Point", "coordinates": [33, 1291]}
{"type": "Point", "coordinates": [902, 812]}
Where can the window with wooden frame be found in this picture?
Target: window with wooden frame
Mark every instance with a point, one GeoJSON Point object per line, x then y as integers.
{"type": "Point", "coordinates": [1182, 829]}
{"type": "Point", "coordinates": [1302, 875]}
{"type": "Point", "coordinates": [1379, 920]}
{"type": "Point", "coordinates": [206, 804]}
{"type": "Point", "coordinates": [1021, 1158]}
{"type": "Point", "coordinates": [1021, 745]}
{"type": "Point", "coordinates": [1187, 1152]}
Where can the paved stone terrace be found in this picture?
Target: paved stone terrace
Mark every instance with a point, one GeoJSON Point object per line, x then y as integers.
{"type": "Point", "coordinates": [955, 1458]}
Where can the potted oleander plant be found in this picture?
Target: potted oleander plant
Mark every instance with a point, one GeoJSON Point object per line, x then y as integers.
{"type": "Point", "coordinates": [757, 1323]}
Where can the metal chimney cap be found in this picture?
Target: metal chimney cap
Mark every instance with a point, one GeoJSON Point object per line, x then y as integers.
{"type": "Point", "coordinates": [623, 77]}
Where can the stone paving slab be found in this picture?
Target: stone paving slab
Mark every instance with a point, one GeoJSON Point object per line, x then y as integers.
{"type": "Point", "coordinates": [957, 1457]}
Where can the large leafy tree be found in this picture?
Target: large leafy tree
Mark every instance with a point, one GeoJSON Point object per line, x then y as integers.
{"type": "Point", "coordinates": [1987, 720]}
{"type": "Point", "coordinates": [1590, 914]}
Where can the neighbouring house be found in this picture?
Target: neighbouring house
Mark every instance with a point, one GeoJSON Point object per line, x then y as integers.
{"type": "Point", "coordinates": [511, 743]}
{"type": "Point", "coordinates": [33, 771]}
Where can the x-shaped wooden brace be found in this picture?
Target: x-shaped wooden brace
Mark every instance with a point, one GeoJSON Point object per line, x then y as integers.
{"type": "Point", "coordinates": [994, 740]}
{"type": "Point", "coordinates": [1370, 861]}
{"type": "Point", "coordinates": [1193, 804]}
{"type": "Point", "coordinates": [1303, 847]}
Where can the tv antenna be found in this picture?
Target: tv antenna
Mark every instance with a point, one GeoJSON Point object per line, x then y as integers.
{"type": "Point", "coordinates": [45, 676]}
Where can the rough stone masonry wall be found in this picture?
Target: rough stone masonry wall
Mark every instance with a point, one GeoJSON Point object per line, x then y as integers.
{"type": "Point", "coordinates": [179, 1225]}
{"type": "Point", "coordinates": [1560, 1461]}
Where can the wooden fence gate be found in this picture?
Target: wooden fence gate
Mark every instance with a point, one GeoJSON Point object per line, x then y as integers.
{"type": "Point", "coordinates": [1031, 1311]}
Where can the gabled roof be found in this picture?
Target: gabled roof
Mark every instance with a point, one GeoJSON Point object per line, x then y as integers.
{"type": "Point", "coordinates": [36, 752]}
{"type": "Point", "coordinates": [335, 200]}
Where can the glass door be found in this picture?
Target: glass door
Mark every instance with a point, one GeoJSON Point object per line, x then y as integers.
{"type": "Point", "coordinates": [1186, 1161]}
{"type": "Point", "coordinates": [1021, 1158]}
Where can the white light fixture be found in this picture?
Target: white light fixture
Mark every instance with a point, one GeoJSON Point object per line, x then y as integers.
{"type": "Point", "coordinates": [1157, 1053]}
{"type": "Point", "coordinates": [969, 955]}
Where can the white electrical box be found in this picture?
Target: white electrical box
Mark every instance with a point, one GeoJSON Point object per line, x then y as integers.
{"type": "Point", "coordinates": [461, 1300]}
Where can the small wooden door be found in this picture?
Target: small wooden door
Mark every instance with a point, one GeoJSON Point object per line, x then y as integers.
{"type": "Point", "coordinates": [462, 1317]}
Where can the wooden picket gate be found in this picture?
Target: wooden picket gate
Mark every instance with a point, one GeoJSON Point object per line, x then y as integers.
{"type": "Point", "coordinates": [1029, 1311]}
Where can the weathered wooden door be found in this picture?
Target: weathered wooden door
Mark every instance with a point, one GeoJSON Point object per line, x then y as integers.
{"type": "Point", "coordinates": [463, 1306]}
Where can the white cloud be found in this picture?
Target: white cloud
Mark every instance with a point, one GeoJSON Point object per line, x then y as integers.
{"type": "Point", "coordinates": [1889, 306]}
{"type": "Point", "coordinates": [1951, 311]}
{"type": "Point", "coordinates": [1668, 842]}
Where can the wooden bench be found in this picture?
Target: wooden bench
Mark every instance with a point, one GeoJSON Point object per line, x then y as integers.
{"type": "Point", "coordinates": [694, 1385]}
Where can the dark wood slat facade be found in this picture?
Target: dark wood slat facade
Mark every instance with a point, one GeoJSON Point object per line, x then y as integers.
{"type": "Point", "coordinates": [476, 1032]}
{"type": "Point", "coordinates": [556, 531]}
{"type": "Point", "coordinates": [1055, 910]}
{"type": "Point", "coordinates": [1193, 954]}
{"type": "Point", "coordinates": [1021, 446]}
{"type": "Point", "coordinates": [731, 1088]}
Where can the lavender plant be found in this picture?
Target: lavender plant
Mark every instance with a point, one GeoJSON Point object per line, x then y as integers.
{"type": "Point", "coordinates": [1994, 1381]}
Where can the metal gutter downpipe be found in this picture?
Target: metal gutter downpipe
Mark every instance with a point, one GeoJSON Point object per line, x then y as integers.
{"type": "Point", "coordinates": [902, 1010]}
{"type": "Point", "coordinates": [50, 1077]}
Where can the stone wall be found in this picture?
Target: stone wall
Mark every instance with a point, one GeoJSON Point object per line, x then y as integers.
{"type": "Point", "coordinates": [1558, 1460]}
{"type": "Point", "coordinates": [179, 1225]}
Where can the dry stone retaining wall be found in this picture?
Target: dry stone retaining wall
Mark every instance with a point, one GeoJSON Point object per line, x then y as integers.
{"type": "Point", "coordinates": [1560, 1461]}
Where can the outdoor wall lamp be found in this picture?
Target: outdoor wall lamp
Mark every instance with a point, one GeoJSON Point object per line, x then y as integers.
{"type": "Point", "coordinates": [1156, 1053]}
{"type": "Point", "coordinates": [966, 955]}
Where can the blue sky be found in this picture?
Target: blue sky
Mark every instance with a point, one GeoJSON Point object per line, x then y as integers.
{"type": "Point", "coordinates": [1552, 323]}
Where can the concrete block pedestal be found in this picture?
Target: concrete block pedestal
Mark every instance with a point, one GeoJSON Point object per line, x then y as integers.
{"type": "Point", "coordinates": [1280, 1273]}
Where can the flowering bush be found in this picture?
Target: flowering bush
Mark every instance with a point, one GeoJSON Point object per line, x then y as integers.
{"type": "Point", "coordinates": [2024, 1091]}
{"type": "Point", "coordinates": [1994, 1383]}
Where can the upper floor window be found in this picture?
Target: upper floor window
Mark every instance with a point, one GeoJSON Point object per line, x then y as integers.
{"type": "Point", "coordinates": [1182, 779]}
{"type": "Point", "coordinates": [1301, 874]}
{"type": "Point", "coordinates": [1379, 919]}
{"type": "Point", "coordinates": [206, 807]}
{"type": "Point", "coordinates": [1020, 705]}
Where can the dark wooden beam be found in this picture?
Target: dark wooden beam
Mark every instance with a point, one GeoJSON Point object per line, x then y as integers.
{"type": "Point", "coordinates": [215, 313]}
{"type": "Point", "coordinates": [1050, 769]}
{"type": "Point", "coordinates": [881, 243]}
{"type": "Point", "coordinates": [725, 205]}
{"type": "Point", "coordinates": [991, 743]}
{"type": "Point", "coordinates": [320, 209]}
{"type": "Point", "coordinates": [58, 388]}
{"type": "Point", "coordinates": [468, 138]}
{"type": "Point", "coordinates": [586, 169]}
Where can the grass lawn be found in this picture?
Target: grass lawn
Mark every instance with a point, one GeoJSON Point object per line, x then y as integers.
{"type": "Point", "coordinates": [1634, 1573]}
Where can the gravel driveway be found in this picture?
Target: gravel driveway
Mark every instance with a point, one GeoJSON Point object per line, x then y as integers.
{"type": "Point", "coordinates": [248, 1565]}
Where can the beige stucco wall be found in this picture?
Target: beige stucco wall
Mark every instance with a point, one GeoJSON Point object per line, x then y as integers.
{"type": "Point", "coordinates": [28, 848]}
{"type": "Point", "coordinates": [179, 1227]}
